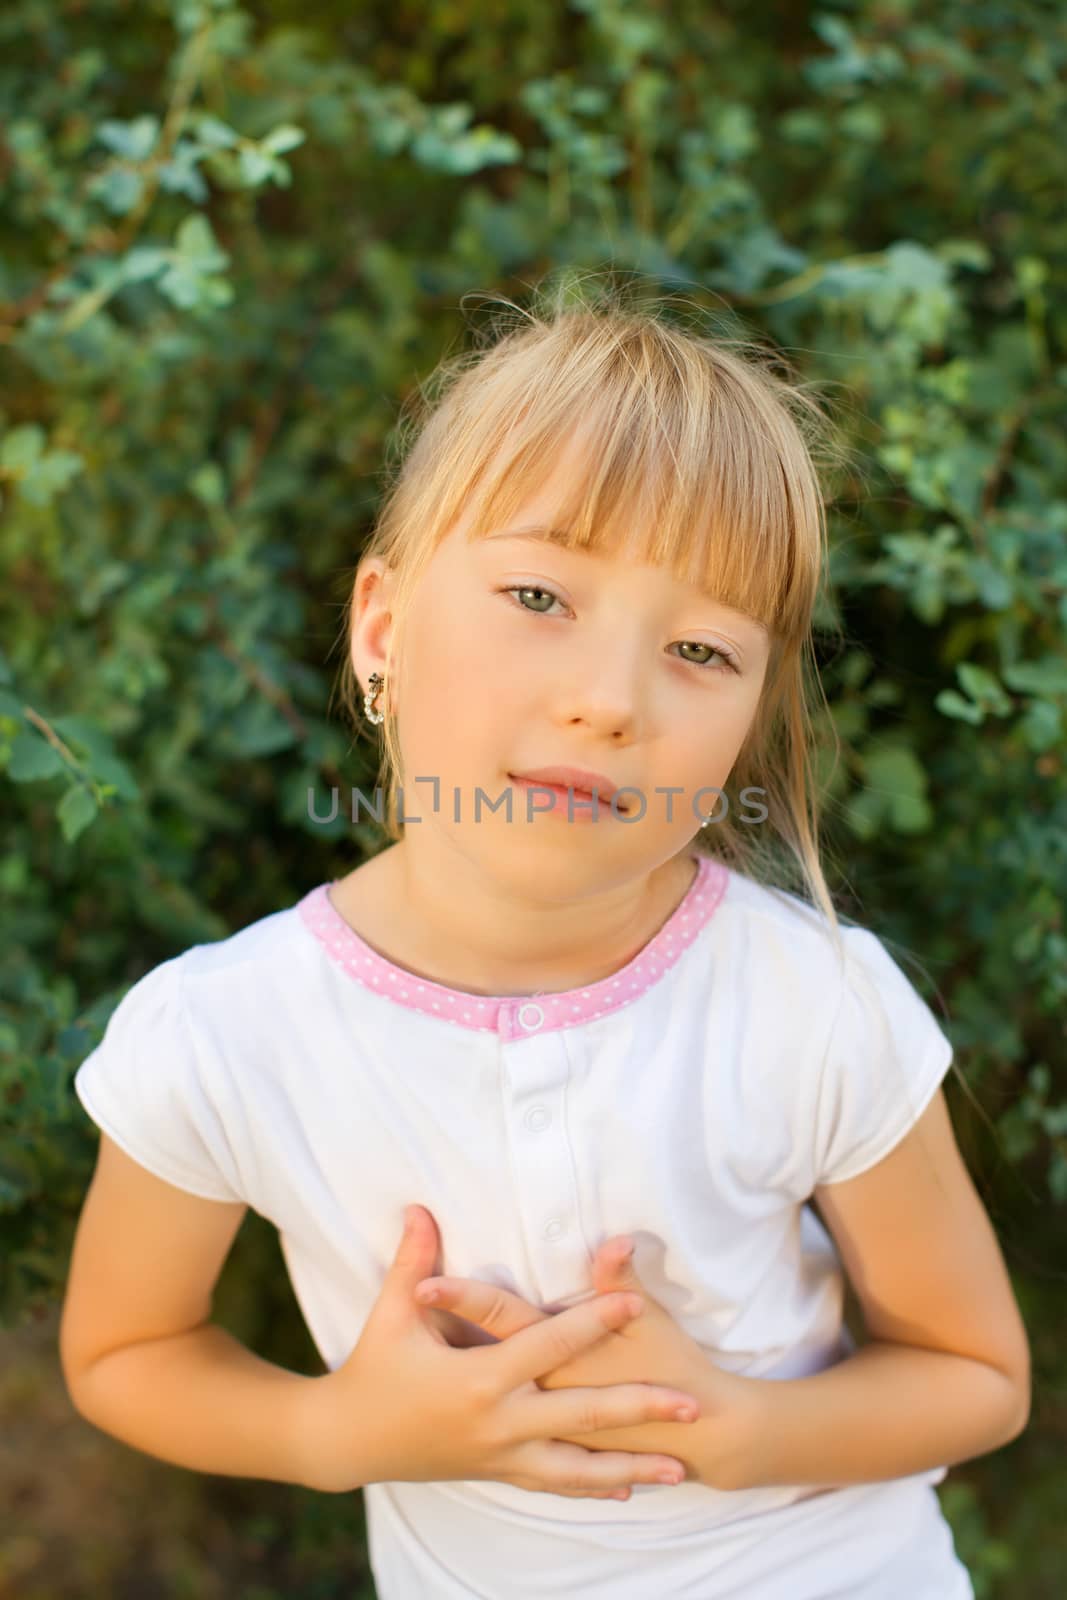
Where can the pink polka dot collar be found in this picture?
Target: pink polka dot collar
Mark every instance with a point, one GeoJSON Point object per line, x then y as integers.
{"type": "Point", "coordinates": [518, 1016]}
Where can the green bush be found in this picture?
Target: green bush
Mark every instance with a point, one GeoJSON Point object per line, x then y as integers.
{"type": "Point", "coordinates": [234, 238]}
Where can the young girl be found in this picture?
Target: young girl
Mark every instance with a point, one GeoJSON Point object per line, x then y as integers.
{"type": "Point", "coordinates": [564, 1011]}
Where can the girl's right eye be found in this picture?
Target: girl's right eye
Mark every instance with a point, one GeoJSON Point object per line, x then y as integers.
{"type": "Point", "coordinates": [529, 588]}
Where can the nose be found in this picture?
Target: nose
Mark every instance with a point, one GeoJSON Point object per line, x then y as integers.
{"type": "Point", "coordinates": [604, 689]}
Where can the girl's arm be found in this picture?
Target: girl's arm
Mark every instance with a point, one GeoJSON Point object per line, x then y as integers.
{"type": "Point", "coordinates": [947, 1374]}
{"type": "Point", "coordinates": [139, 1356]}
{"type": "Point", "coordinates": [886, 1411]}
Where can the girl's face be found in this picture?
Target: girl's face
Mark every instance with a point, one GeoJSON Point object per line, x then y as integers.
{"type": "Point", "coordinates": [589, 661]}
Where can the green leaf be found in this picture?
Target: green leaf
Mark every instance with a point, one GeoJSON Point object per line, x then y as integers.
{"type": "Point", "coordinates": [49, 476]}
{"type": "Point", "coordinates": [197, 246]}
{"type": "Point", "coordinates": [863, 811]}
{"type": "Point", "coordinates": [21, 447]}
{"type": "Point", "coordinates": [33, 758]}
{"type": "Point", "coordinates": [144, 261]}
{"type": "Point", "coordinates": [108, 769]}
{"type": "Point", "coordinates": [1045, 676]}
{"type": "Point", "coordinates": [983, 688]}
{"type": "Point", "coordinates": [133, 140]}
{"type": "Point", "coordinates": [952, 704]}
{"type": "Point", "coordinates": [214, 133]}
{"type": "Point", "coordinates": [208, 484]}
{"type": "Point", "coordinates": [190, 279]}
{"type": "Point", "coordinates": [75, 811]}
{"type": "Point", "coordinates": [255, 166]}
{"type": "Point", "coordinates": [119, 189]}
{"type": "Point", "coordinates": [282, 138]}
{"type": "Point", "coordinates": [895, 773]}
{"type": "Point", "coordinates": [82, 732]}
{"type": "Point", "coordinates": [1042, 725]}
{"type": "Point", "coordinates": [995, 588]}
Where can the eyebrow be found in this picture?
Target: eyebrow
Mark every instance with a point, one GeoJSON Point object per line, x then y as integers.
{"type": "Point", "coordinates": [559, 536]}
{"type": "Point", "coordinates": [551, 535]}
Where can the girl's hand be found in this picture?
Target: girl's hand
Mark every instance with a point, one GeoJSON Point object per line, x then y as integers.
{"type": "Point", "coordinates": [653, 1348]}
{"type": "Point", "coordinates": [406, 1406]}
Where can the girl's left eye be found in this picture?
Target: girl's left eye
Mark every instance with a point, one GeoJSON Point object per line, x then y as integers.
{"type": "Point", "coordinates": [730, 664]}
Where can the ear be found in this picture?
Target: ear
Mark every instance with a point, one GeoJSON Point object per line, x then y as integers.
{"type": "Point", "coordinates": [371, 616]}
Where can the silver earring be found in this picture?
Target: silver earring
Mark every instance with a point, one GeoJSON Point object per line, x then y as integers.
{"type": "Point", "coordinates": [377, 684]}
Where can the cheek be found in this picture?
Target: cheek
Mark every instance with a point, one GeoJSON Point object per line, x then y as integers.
{"type": "Point", "coordinates": [464, 634]}
{"type": "Point", "coordinates": [738, 714]}
{"type": "Point", "coordinates": [455, 655]}
{"type": "Point", "coordinates": [441, 652]}
{"type": "Point", "coordinates": [720, 732]}
{"type": "Point", "coordinates": [487, 648]}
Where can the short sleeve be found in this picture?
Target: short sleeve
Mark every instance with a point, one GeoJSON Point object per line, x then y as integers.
{"type": "Point", "coordinates": [145, 1087]}
{"type": "Point", "coordinates": [885, 1058]}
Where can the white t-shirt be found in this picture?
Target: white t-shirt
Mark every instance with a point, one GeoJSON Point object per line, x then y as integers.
{"type": "Point", "coordinates": [693, 1099]}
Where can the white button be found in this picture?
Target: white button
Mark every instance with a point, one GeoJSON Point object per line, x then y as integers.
{"type": "Point", "coordinates": [537, 1118]}
{"type": "Point", "coordinates": [554, 1228]}
{"type": "Point", "coordinates": [531, 1016]}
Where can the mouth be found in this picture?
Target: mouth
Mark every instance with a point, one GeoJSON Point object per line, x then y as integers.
{"type": "Point", "coordinates": [604, 796]}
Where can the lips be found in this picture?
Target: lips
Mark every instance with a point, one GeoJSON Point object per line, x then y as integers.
{"type": "Point", "coordinates": [579, 779]}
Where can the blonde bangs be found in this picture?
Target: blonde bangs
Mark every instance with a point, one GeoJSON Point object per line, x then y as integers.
{"type": "Point", "coordinates": [685, 464]}
{"type": "Point", "coordinates": [682, 471]}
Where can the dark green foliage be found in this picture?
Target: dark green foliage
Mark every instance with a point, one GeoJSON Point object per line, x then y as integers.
{"type": "Point", "coordinates": [233, 241]}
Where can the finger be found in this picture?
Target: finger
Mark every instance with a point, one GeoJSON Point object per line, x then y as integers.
{"type": "Point", "coordinates": [562, 1413]}
{"type": "Point", "coordinates": [418, 1237]}
{"type": "Point", "coordinates": [497, 1310]}
{"type": "Point", "coordinates": [536, 1350]}
{"type": "Point", "coordinates": [416, 1253]}
{"type": "Point", "coordinates": [457, 1333]}
{"type": "Point", "coordinates": [585, 1472]}
{"type": "Point", "coordinates": [613, 1267]}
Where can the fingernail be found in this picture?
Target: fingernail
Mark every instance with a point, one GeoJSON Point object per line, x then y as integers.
{"type": "Point", "coordinates": [685, 1414]}
{"type": "Point", "coordinates": [427, 1296]}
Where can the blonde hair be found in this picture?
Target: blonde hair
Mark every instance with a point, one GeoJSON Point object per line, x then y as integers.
{"type": "Point", "coordinates": [702, 459]}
